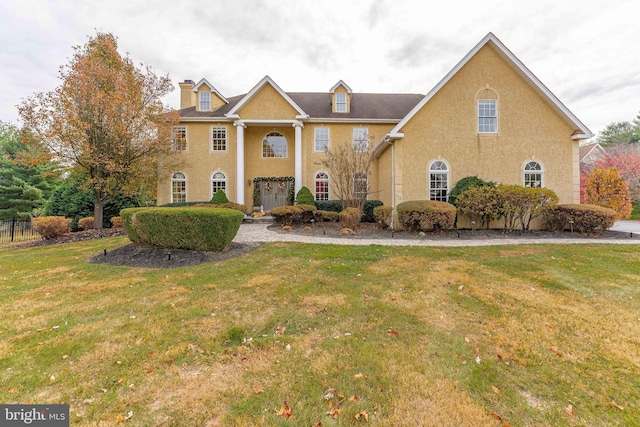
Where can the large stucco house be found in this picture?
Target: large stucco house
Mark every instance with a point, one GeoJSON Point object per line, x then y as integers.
{"type": "Point", "coordinates": [489, 116]}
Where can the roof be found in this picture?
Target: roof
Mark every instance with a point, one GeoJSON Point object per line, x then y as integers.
{"type": "Point", "coordinates": [588, 150]}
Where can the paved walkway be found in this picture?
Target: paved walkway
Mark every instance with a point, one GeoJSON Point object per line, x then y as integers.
{"type": "Point", "coordinates": [259, 233]}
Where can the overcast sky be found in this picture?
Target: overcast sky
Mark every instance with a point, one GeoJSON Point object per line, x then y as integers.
{"type": "Point", "coordinates": [586, 52]}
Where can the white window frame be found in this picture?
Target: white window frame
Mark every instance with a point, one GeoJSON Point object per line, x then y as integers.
{"type": "Point", "coordinates": [175, 146]}
{"type": "Point", "coordinates": [357, 180]}
{"type": "Point", "coordinates": [278, 152]}
{"type": "Point", "coordinates": [204, 101]}
{"type": "Point", "coordinates": [321, 178]}
{"type": "Point", "coordinates": [341, 102]}
{"type": "Point", "coordinates": [436, 186]}
{"type": "Point", "coordinates": [360, 140]}
{"type": "Point", "coordinates": [488, 116]}
{"type": "Point", "coordinates": [182, 191]}
{"type": "Point", "coordinates": [217, 139]}
{"type": "Point", "coordinates": [321, 139]}
{"type": "Point", "coordinates": [528, 173]}
{"type": "Point", "coordinates": [218, 183]}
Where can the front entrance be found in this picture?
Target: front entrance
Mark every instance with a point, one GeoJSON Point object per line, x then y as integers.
{"type": "Point", "coordinates": [273, 192]}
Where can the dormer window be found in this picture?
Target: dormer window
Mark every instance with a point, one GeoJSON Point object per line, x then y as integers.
{"type": "Point", "coordinates": [205, 101]}
{"type": "Point", "coordinates": [341, 102]}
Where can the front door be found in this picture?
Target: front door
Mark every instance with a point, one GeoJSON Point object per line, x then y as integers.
{"type": "Point", "coordinates": [274, 193]}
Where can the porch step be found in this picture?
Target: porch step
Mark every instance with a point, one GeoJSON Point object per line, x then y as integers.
{"type": "Point", "coordinates": [257, 220]}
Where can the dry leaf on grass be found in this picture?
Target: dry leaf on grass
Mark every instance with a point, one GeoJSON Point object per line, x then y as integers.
{"type": "Point", "coordinates": [353, 398]}
{"type": "Point", "coordinates": [362, 414]}
{"type": "Point", "coordinates": [615, 405]}
{"type": "Point", "coordinates": [358, 376]}
{"type": "Point", "coordinates": [569, 410]}
{"type": "Point", "coordinates": [392, 333]}
{"type": "Point", "coordinates": [257, 390]}
{"type": "Point", "coordinates": [334, 412]}
{"type": "Point", "coordinates": [495, 389]}
{"type": "Point", "coordinates": [285, 411]}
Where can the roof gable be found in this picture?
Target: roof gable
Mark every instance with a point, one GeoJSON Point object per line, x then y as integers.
{"type": "Point", "coordinates": [213, 89]}
{"type": "Point", "coordinates": [340, 83]}
{"type": "Point", "coordinates": [256, 89]}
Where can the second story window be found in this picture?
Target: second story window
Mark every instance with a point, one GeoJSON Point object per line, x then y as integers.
{"type": "Point", "coordinates": [360, 139]}
{"type": "Point", "coordinates": [321, 140]}
{"type": "Point", "coordinates": [487, 116]}
{"type": "Point", "coordinates": [205, 101]}
{"type": "Point", "coordinates": [341, 102]}
{"type": "Point", "coordinates": [218, 138]}
{"type": "Point", "coordinates": [179, 138]}
{"type": "Point", "coordinates": [274, 145]}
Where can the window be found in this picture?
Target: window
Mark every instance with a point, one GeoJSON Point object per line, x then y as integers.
{"type": "Point", "coordinates": [218, 182]}
{"type": "Point", "coordinates": [438, 181]}
{"type": "Point", "coordinates": [533, 175]}
{"type": "Point", "coordinates": [321, 141]}
{"type": "Point", "coordinates": [360, 186]}
{"type": "Point", "coordinates": [322, 186]}
{"type": "Point", "coordinates": [205, 101]}
{"type": "Point", "coordinates": [341, 102]}
{"type": "Point", "coordinates": [488, 116]}
{"type": "Point", "coordinates": [360, 139]}
{"type": "Point", "coordinates": [179, 138]}
{"type": "Point", "coordinates": [218, 138]}
{"type": "Point", "coordinates": [274, 145]}
{"type": "Point", "coordinates": [178, 187]}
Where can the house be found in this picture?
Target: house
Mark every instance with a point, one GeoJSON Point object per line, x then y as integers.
{"type": "Point", "coordinates": [590, 154]}
{"type": "Point", "coordinates": [489, 116]}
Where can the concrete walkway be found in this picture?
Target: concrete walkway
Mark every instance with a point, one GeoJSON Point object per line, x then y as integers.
{"type": "Point", "coordinates": [258, 232]}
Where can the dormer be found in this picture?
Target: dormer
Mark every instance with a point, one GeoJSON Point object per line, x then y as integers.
{"type": "Point", "coordinates": [206, 97]}
{"type": "Point", "coordinates": [340, 98]}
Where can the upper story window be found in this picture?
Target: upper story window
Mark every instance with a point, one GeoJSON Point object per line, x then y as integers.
{"type": "Point", "coordinates": [438, 181]}
{"type": "Point", "coordinates": [218, 138]}
{"type": "Point", "coordinates": [274, 145]}
{"type": "Point", "coordinates": [179, 138]}
{"type": "Point", "coordinates": [533, 174]}
{"type": "Point", "coordinates": [205, 101]}
{"type": "Point", "coordinates": [322, 186]}
{"type": "Point", "coordinates": [487, 116]}
{"type": "Point", "coordinates": [178, 187]}
{"type": "Point", "coordinates": [361, 139]}
{"type": "Point", "coordinates": [321, 140]}
{"type": "Point", "coordinates": [341, 102]}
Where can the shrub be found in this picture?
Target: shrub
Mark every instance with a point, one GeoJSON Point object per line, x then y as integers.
{"type": "Point", "coordinates": [350, 218]}
{"type": "Point", "coordinates": [203, 229]}
{"type": "Point", "coordinates": [466, 183]}
{"type": "Point", "coordinates": [480, 203]}
{"type": "Point", "coordinates": [304, 197]}
{"type": "Point", "coordinates": [286, 215]}
{"type": "Point", "coordinates": [85, 223]}
{"type": "Point", "coordinates": [307, 213]}
{"type": "Point", "coordinates": [586, 218]}
{"type": "Point", "coordinates": [231, 205]}
{"type": "Point", "coordinates": [219, 198]}
{"type": "Point", "coordinates": [423, 215]}
{"type": "Point", "coordinates": [326, 216]}
{"type": "Point", "coordinates": [382, 215]}
{"type": "Point", "coordinates": [605, 187]}
{"type": "Point", "coordinates": [116, 222]}
{"type": "Point", "coordinates": [519, 205]}
{"type": "Point", "coordinates": [51, 227]}
{"type": "Point", "coordinates": [336, 206]}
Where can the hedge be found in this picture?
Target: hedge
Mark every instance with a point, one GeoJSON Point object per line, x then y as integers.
{"type": "Point", "coordinates": [202, 229]}
{"type": "Point", "coordinates": [336, 206]}
{"type": "Point", "coordinates": [586, 218]}
{"type": "Point", "coordinates": [288, 214]}
{"type": "Point", "coordinates": [425, 215]}
{"type": "Point", "coordinates": [52, 227]}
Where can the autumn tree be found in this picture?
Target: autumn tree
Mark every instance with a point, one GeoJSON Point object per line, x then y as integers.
{"type": "Point", "coordinates": [626, 159]}
{"type": "Point", "coordinates": [106, 118]}
{"type": "Point", "coordinates": [349, 167]}
{"type": "Point", "coordinates": [605, 187]}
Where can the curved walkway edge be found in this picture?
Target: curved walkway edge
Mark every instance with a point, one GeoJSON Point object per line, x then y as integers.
{"type": "Point", "coordinates": [259, 233]}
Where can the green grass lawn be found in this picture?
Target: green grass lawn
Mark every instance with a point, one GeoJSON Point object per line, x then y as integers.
{"type": "Point", "coordinates": [540, 335]}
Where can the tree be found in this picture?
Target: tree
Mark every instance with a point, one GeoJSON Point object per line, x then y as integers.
{"type": "Point", "coordinates": [618, 133]}
{"type": "Point", "coordinates": [349, 167]}
{"type": "Point", "coordinates": [626, 159]}
{"type": "Point", "coordinates": [605, 187]}
{"type": "Point", "coordinates": [106, 118]}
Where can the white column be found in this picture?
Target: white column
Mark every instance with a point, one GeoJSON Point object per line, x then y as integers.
{"type": "Point", "coordinates": [298, 156]}
{"type": "Point", "coordinates": [239, 162]}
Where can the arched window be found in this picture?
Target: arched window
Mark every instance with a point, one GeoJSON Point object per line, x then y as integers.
{"type": "Point", "coordinates": [360, 186]}
{"type": "Point", "coordinates": [322, 186]}
{"type": "Point", "coordinates": [438, 181]}
{"type": "Point", "coordinates": [533, 175]}
{"type": "Point", "coordinates": [178, 187]}
{"type": "Point", "coordinates": [274, 145]}
{"type": "Point", "coordinates": [218, 182]}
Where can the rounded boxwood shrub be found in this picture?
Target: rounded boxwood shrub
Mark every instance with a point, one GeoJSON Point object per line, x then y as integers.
{"type": "Point", "coordinates": [52, 227]}
{"type": "Point", "coordinates": [382, 215]}
{"type": "Point", "coordinates": [585, 218]}
{"type": "Point", "coordinates": [219, 198]}
{"type": "Point", "coordinates": [426, 215]}
{"type": "Point", "coordinates": [202, 229]}
{"type": "Point", "coordinates": [304, 197]}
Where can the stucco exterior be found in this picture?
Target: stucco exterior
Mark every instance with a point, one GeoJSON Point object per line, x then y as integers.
{"type": "Point", "coordinates": [407, 133]}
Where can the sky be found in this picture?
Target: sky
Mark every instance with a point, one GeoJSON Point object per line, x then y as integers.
{"type": "Point", "coordinates": [587, 52]}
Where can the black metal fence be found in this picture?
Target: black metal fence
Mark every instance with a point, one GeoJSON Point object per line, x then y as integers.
{"type": "Point", "coordinates": [17, 230]}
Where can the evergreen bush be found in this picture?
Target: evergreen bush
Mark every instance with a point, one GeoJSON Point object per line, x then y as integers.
{"type": "Point", "coordinates": [219, 198]}
{"type": "Point", "coordinates": [304, 197]}
{"type": "Point", "coordinates": [582, 218]}
{"type": "Point", "coordinates": [426, 215]}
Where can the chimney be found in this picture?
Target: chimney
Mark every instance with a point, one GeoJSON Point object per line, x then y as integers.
{"type": "Point", "coordinates": [187, 95]}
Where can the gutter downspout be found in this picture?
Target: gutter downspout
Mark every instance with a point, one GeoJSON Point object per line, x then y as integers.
{"type": "Point", "coordinates": [390, 141]}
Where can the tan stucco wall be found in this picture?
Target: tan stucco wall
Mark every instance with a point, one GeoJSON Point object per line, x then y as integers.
{"type": "Point", "coordinates": [446, 128]}
{"type": "Point", "coordinates": [267, 104]}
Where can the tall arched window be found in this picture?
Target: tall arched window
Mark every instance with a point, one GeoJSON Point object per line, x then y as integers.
{"type": "Point", "coordinates": [438, 181]}
{"type": "Point", "coordinates": [178, 187]}
{"type": "Point", "coordinates": [274, 145]}
{"type": "Point", "coordinates": [322, 186]}
{"type": "Point", "coordinates": [360, 186]}
{"type": "Point", "coordinates": [533, 175]}
{"type": "Point", "coordinates": [218, 182]}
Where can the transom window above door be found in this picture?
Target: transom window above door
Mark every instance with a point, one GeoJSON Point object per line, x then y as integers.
{"type": "Point", "coordinates": [274, 145]}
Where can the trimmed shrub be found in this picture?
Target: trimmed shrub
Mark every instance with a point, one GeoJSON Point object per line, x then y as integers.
{"type": "Point", "coordinates": [52, 227]}
{"type": "Point", "coordinates": [287, 215]}
{"type": "Point", "coordinates": [127, 217]}
{"type": "Point", "coordinates": [519, 205]}
{"type": "Point", "coordinates": [116, 222]}
{"type": "Point", "coordinates": [329, 205]}
{"type": "Point", "coordinates": [466, 183]}
{"type": "Point", "coordinates": [230, 205]}
{"type": "Point", "coordinates": [336, 206]}
{"type": "Point", "coordinates": [350, 218]}
{"type": "Point", "coordinates": [183, 204]}
{"type": "Point", "coordinates": [304, 197]}
{"type": "Point", "coordinates": [480, 203]}
{"type": "Point", "coordinates": [85, 223]}
{"type": "Point", "coordinates": [202, 229]}
{"type": "Point", "coordinates": [586, 218]}
{"type": "Point", "coordinates": [382, 215]}
{"type": "Point", "coordinates": [425, 215]}
{"type": "Point", "coordinates": [307, 213]}
{"type": "Point", "coordinates": [326, 216]}
{"type": "Point", "coordinates": [219, 198]}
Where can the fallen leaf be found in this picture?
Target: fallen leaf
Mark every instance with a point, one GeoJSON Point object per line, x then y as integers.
{"type": "Point", "coordinates": [392, 333]}
{"type": "Point", "coordinates": [358, 376]}
{"type": "Point", "coordinates": [521, 361]}
{"type": "Point", "coordinates": [615, 405]}
{"type": "Point", "coordinates": [495, 389]}
{"type": "Point", "coordinates": [496, 416]}
{"type": "Point", "coordinates": [257, 390]}
{"type": "Point", "coordinates": [362, 414]}
{"type": "Point", "coordinates": [318, 424]}
{"type": "Point", "coordinates": [129, 415]}
{"type": "Point", "coordinates": [285, 411]}
{"type": "Point", "coordinates": [334, 412]}
{"type": "Point", "coordinates": [119, 419]}
{"type": "Point", "coordinates": [569, 410]}
{"type": "Point", "coordinates": [328, 394]}
{"type": "Point", "coordinates": [13, 390]}
{"type": "Point", "coordinates": [444, 302]}
{"type": "Point", "coordinates": [353, 398]}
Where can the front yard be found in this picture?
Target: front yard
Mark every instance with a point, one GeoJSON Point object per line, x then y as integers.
{"type": "Point", "coordinates": [298, 335]}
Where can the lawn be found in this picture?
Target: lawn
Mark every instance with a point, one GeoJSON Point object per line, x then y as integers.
{"type": "Point", "coordinates": [304, 335]}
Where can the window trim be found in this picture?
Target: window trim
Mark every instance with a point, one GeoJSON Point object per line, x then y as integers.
{"type": "Point", "coordinates": [316, 140]}
{"type": "Point", "coordinates": [286, 146]}
{"type": "Point", "coordinates": [341, 105]}
{"type": "Point", "coordinates": [177, 180]}
{"type": "Point", "coordinates": [447, 173]}
{"type": "Point", "coordinates": [494, 123]}
{"type": "Point", "coordinates": [526, 172]}
{"type": "Point", "coordinates": [325, 181]}
{"type": "Point", "coordinates": [174, 145]}
{"type": "Point", "coordinates": [202, 101]}
{"type": "Point", "coordinates": [211, 134]}
{"type": "Point", "coordinates": [358, 144]}
{"type": "Point", "coordinates": [362, 177]}
{"type": "Point", "coordinates": [224, 181]}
